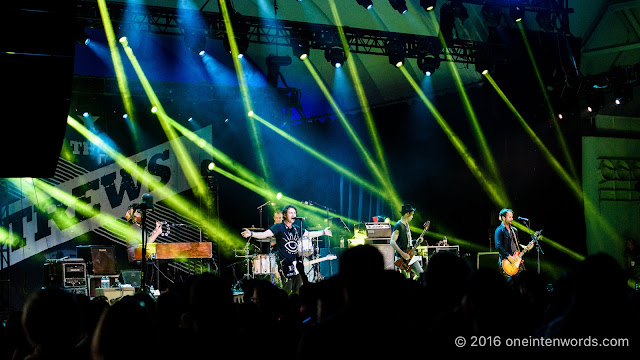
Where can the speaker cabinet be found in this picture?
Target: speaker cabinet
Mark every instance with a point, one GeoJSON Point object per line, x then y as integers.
{"type": "Point", "coordinates": [488, 260]}
{"type": "Point", "coordinates": [100, 259]}
{"type": "Point", "coordinates": [388, 254]}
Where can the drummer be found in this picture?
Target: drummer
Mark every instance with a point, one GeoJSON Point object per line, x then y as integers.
{"type": "Point", "coordinates": [286, 238]}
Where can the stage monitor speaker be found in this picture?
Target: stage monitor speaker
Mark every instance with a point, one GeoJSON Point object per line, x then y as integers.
{"type": "Point", "coordinates": [100, 259]}
{"type": "Point", "coordinates": [132, 277]}
{"type": "Point", "coordinates": [487, 260]}
{"type": "Point", "coordinates": [36, 66]}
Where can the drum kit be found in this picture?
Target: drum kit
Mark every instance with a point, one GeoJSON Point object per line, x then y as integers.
{"type": "Point", "coordinates": [261, 263]}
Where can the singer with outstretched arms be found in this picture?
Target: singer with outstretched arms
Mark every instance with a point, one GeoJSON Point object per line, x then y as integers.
{"type": "Point", "coordinates": [286, 237]}
{"type": "Point", "coordinates": [506, 237]}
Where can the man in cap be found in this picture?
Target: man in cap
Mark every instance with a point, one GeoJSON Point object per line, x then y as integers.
{"type": "Point", "coordinates": [401, 238]}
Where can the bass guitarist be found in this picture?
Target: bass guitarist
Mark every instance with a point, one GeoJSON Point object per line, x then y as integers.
{"type": "Point", "coordinates": [401, 239]}
{"type": "Point", "coordinates": [506, 238]}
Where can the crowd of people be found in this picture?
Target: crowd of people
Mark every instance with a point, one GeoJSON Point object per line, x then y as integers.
{"type": "Point", "coordinates": [365, 310]}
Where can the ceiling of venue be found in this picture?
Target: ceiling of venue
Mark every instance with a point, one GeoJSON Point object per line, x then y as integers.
{"type": "Point", "coordinates": [607, 34]}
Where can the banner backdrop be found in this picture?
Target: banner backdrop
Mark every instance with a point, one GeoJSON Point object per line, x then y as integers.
{"type": "Point", "coordinates": [37, 221]}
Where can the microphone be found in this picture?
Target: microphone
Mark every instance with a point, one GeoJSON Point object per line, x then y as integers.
{"type": "Point", "coordinates": [300, 218]}
{"type": "Point", "coordinates": [522, 218]}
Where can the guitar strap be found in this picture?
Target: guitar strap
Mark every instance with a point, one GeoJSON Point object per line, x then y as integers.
{"type": "Point", "coordinates": [408, 230]}
{"type": "Point", "coordinates": [513, 233]}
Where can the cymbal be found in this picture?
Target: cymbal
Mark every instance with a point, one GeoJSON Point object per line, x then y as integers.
{"type": "Point", "coordinates": [269, 239]}
{"type": "Point", "coordinates": [254, 229]}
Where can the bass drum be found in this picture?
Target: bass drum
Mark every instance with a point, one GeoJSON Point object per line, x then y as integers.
{"type": "Point", "coordinates": [305, 247]}
{"type": "Point", "coordinates": [264, 264]}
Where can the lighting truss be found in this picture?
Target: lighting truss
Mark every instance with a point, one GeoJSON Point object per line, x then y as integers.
{"type": "Point", "coordinates": [167, 21]}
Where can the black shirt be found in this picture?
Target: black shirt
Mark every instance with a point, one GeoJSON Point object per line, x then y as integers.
{"type": "Point", "coordinates": [286, 240]}
{"type": "Point", "coordinates": [403, 237]}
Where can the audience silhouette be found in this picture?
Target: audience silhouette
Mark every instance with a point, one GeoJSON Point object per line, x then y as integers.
{"type": "Point", "coordinates": [365, 311]}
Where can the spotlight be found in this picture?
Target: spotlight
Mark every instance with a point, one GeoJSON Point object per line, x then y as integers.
{"type": "Point", "coordinates": [516, 12]}
{"type": "Point", "coordinates": [300, 49]}
{"type": "Point", "coordinates": [622, 93]}
{"type": "Point", "coordinates": [250, 113]}
{"type": "Point", "coordinates": [195, 40]}
{"type": "Point", "coordinates": [154, 109]}
{"type": "Point", "coordinates": [399, 5]}
{"type": "Point", "coordinates": [335, 55]}
{"type": "Point", "coordinates": [367, 4]}
{"type": "Point", "coordinates": [428, 5]}
{"type": "Point", "coordinates": [594, 102]}
{"type": "Point", "coordinates": [242, 42]}
{"type": "Point", "coordinates": [123, 40]}
{"type": "Point", "coordinates": [206, 167]}
{"type": "Point", "coordinates": [428, 64]}
{"type": "Point", "coordinates": [396, 53]}
{"type": "Point", "coordinates": [560, 116]}
{"type": "Point", "coordinates": [279, 196]}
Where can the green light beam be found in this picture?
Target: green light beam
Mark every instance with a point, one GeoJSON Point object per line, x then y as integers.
{"type": "Point", "coordinates": [192, 173]}
{"type": "Point", "coordinates": [573, 184]}
{"type": "Point", "coordinates": [552, 116]}
{"type": "Point", "coordinates": [384, 180]}
{"type": "Point", "coordinates": [228, 239]}
{"type": "Point", "coordinates": [475, 124]}
{"type": "Point", "coordinates": [246, 98]}
{"type": "Point", "coordinates": [496, 195]}
{"type": "Point", "coordinates": [121, 77]}
{"type": "Point", "coordinates": [332, 164]}
{"type": "Point", "coordinates": [364, 104]}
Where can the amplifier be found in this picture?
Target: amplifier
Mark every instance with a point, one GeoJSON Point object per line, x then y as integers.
{"type": "Point", "coordinates": [378, 230]}
{"type": "Point", "coordinates": [65, 273]}
{"type": "Point", "coordinates": [100, 259]}
{"type": "Point", "coordinates": [74, 273]}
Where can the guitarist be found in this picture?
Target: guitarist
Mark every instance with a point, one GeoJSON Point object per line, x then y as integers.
{"type": "Point", "coordinates": [506, 237]}
{"type": "Point", "coordinates": [401, 238]}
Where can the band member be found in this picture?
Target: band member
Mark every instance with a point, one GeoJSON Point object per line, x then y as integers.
{"type": "Point", "coordinates": [506, 237]}
{"type": "Point", "coordinates": [286, 238]}
{"type": "Point", "coordinates": [401, 238]}
{"type": "Point", "coordinates": [277, 217]}
{"type": "Point", "coordinates": [134, 217]}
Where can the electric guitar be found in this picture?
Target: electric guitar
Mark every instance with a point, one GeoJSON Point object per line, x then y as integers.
{"type": "Point", "coordinates": [295, 267]}
{"type": "Point", "coordinates": [412, 251]}
{"type": "Point", "coordinates": [512, 267]}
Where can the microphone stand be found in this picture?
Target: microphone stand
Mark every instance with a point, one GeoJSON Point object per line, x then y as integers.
{"type": "Point", "coordinates": [535, 238]}
{"type": "Point", "coordinates": [260, 210]}
{"type": "Point", "coordinates": [143, 261]}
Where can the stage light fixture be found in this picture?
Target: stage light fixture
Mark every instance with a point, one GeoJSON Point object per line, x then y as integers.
{"type": "Point", "coordinates": [516, 12]}
{"type": "Point", "coordinates": [428, 5]}
{"type": "Point", "coordinates": [622, 93]}
{"type": "Point", "coordinates": [195, 40]}
{"type": "Point", "coordinates": [594, 102]}
{"type": "Point", "coordinates": [399, 5]}
{"type": "Point", "coordinates": [367, 4]}
{"type": "Point", "coordinates": [300, 49]}
{"type": "Point", "coordinates": [428, 64]}
{"type": "Point", "coordinates": [242, 42]}
{"type": "Point", "coordinates": [396, 53]}
{"type": "Point", "coordinates": [335, 55]}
